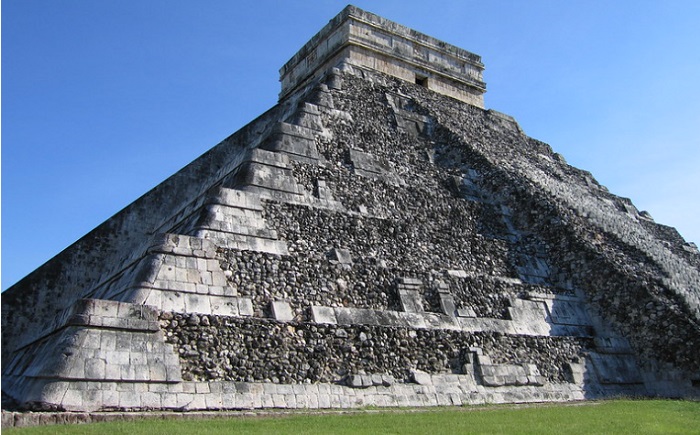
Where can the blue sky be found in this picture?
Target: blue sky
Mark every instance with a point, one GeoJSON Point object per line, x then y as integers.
{"type": "Point", "coordinates": [102, 100]}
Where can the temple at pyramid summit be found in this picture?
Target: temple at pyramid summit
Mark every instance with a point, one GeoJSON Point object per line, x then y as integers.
{"type": "Point", "coordinates": [377, 238]}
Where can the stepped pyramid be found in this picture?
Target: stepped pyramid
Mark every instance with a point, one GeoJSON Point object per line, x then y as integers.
{"type": "Point", "coordinates": [377, 238]}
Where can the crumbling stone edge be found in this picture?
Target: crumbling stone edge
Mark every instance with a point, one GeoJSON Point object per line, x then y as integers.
{"type": "Point", "coordinates": [26, 419]}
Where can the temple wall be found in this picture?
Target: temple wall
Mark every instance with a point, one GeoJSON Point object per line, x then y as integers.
{"type": "Point", "coordinates": [366, 40]}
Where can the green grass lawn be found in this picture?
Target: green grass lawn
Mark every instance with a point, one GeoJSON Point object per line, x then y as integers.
{"type": "Point", "coordinates": [607, 417]}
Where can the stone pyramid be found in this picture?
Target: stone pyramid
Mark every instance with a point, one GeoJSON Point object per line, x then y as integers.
{"type": "Point", "coordinates": [376, 238]}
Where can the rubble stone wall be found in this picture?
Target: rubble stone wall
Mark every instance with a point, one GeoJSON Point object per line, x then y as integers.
{"type": "Point", "coordinates": [614, 258]}
{"type": "Point", "coordinates": [263, 350]}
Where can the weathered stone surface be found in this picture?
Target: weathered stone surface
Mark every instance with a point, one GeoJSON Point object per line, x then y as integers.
{"type": "Point", "coordinates": [421, 378]}
{"type": "Point", "coordinates": [362, 38]}
{"type": "Point", "coordinates": [282, 311]}
{"type": "Point", "coordinates": [253, 349]}
{"type": "Point", "coordinates": [365, 242]}
{"type": "Point", "coordinates": [323, 315]}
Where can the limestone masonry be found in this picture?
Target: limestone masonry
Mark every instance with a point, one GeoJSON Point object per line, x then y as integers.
{"type": "Point", "coordinates": [377, 238]}
{"type": "Point", "coordinates": [370, 41]}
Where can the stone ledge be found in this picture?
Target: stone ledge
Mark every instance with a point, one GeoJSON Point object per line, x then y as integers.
{"type": "Point", "coordinates": [420, 320]}
{"type": "Point", "coordinates": [267, 177]}
{"type": "Point", "coordinates": [245, 243]}
{"type": "Point", "coordinates": [185, 302]}
{"type": "Point", "coordinates": [179, 244]}
{"type": "Point", "coordinates": [235, 198]}
{"type": "Point", "coordinates": [297, 130]}
{"type": "Point", "coordinates": [104, 314]}
{"type": "Point", "coordinates": [26, 419]}
{"type": "Point", "coordinates": [265, 157]}
{"type": "Point", "coordinates": [295, 141]}
{"type": "Point", "coordinates": [447, 390]}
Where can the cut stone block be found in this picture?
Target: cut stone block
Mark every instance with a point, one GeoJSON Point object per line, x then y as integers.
{"type": "Point", "coordinates": [245, 306]}
{"type": "Point", "coordinates": [411, 301]}
{"type": "Point", "coordinates": [342, 256]}
{"type": "Point", "coordinates": [447, 304]}
{"type": "Point", "coordinates": [282, 311]}
{"type": "Point", "coordinates": [421, 378]}
{"type": "Point", "coordinates": [323, 315]}
{"type": "Point", "coordinates": [466, 312]}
